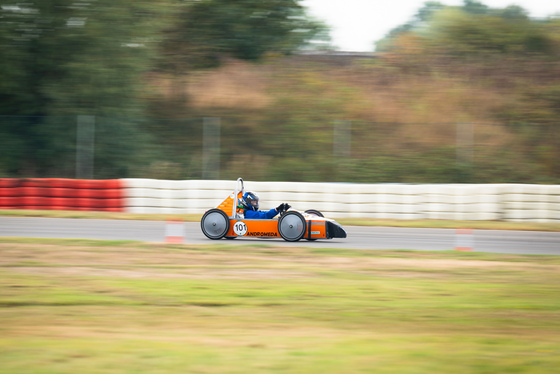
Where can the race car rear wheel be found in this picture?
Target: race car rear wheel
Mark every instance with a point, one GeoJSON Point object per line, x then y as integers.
{"type": "Point", "coordinates": [314, 212]}
{"type": "Point", "coordinates": [215, 224]}
{"type": "Point", "coordinates": [292, 226]}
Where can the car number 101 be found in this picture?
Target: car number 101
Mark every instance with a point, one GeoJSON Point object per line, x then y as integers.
{"type": "Point", "coordinates": [240, 228]}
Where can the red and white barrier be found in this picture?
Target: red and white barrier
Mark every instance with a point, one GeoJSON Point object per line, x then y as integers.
{"type": "Point", "coordinates": [174, 230]}
{"type": "Point", "coordinates": [509, 202]}
{"type": "Point", "coordinates": [62, 194]}
{"type": "Point", "coordinates": [464, 240]}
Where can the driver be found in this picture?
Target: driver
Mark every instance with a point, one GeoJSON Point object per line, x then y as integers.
{"type": "Point", "coordinates": [250, 205]}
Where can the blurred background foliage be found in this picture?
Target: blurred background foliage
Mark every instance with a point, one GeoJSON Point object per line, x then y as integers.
{"type": "Point", "coordinates": [467, 94]}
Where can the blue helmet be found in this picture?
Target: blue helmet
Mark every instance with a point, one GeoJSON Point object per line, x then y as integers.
{"type": "Point", "coordinates": [250, 201]}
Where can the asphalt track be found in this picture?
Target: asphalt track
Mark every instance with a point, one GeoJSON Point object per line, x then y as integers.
{"type": "Point", "coordinates": [516, 242]}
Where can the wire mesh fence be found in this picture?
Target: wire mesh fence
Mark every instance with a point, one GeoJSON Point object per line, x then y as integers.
{"type": "Point", "coordinates": [97, 147]}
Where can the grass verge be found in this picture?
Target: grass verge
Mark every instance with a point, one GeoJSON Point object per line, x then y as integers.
{"type": "Point", "coordinates": [88, 306]}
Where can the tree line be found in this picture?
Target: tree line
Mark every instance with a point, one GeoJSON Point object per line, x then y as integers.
{"type": "Point", "coordinates": [61, 59]}
{"type": "Point", "coordinates": [65, 58]}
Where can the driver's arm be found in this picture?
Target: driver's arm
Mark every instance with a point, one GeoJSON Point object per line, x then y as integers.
{"type": "Point", "coordinates": [261, 214]}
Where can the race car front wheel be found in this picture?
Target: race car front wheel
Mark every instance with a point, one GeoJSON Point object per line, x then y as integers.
{"type": "Point", "coordinates": [215, 224]}
{"type": "Point", "coordinates": [292, 226]}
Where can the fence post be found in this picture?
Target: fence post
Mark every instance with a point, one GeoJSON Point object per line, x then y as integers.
{"type": "Point", "coordinates": [85, 141]}
{"type": "Point", "coordinates": [342, 146]}
{"type": "Point", "coordinates": [465, 140]}
{"type": "Point", "coordinates": [342, 139]}
{"type": "Point", "coordinates": [211, 148]}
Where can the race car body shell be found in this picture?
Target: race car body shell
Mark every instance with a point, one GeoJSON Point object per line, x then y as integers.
{"type": "Point", "coordinates": [268, 228]}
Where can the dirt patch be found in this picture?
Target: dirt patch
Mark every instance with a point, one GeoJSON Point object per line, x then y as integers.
{"type": "Point", "coordinates": [154, 273]}
{"type": "Point", "coordinates": [161, 262]}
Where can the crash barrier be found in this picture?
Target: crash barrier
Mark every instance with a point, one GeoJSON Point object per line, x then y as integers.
{"type": "Point", "coordinates": [61, 194]}
{"type": "Point", "coordinates": [511, 202]}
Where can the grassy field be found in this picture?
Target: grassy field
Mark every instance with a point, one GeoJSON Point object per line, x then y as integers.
{"type": "Point", "coordinates": [82, 306]}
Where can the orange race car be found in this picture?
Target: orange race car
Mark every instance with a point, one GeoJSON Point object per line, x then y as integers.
{"type": "Point", "coordinates": [227, 221]}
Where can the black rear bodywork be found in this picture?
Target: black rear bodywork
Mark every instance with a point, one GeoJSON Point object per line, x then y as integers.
{"type": "Point", "coordinates": [334, 230]}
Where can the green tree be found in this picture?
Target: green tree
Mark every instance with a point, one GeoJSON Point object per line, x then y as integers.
{"type": "Point", "coordinates": [475, 7]}
{"type": "Point", "coordinates": [473, 29]}
{"type": "Point", "coordinates": [208, 30]}
{"type": "Point", "coordinates": [421, 17]}
{"type": "Point", "coordinates": [64, 58]}
{"type": "Point", "coordinates": [461, 33]}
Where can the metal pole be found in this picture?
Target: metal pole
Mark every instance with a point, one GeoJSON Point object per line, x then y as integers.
{"type": "Point", "coordinates": [85, 147]}
{"type": "Point", "coordinates": [211, 148]}
{"type": "Point", "coordinates": [465, 140]}
{"type": "Point", "coordinates": [342, 147]}
{"type": "Point", "coordinates": [342, 139]}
